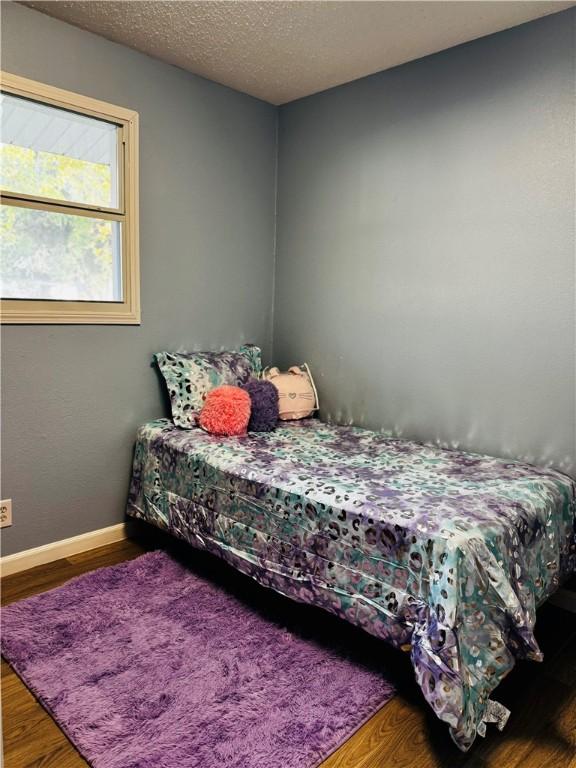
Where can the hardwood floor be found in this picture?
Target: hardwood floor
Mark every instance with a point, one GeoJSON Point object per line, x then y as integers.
{"type": "Point", "coordinates": [541, 732]}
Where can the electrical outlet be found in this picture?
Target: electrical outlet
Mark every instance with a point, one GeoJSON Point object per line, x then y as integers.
{"type": "Point", "coordinates": [5, 513]}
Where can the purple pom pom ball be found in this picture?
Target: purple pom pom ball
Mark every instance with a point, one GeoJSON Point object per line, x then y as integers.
{"type": "Point", "coordinates": [264, 397]}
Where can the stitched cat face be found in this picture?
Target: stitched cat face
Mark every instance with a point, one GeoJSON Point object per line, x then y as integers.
{"type": "Point", "coordinates": [296, 392]}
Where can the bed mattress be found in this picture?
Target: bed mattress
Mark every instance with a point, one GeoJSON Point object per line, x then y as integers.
{"type": "Point", "coordinates": [440, 552]}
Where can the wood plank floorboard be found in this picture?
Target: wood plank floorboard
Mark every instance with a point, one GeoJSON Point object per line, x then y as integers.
{"type": "Point", "coordinates": [541, 732]}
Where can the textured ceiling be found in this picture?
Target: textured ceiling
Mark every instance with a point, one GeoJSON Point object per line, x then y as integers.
{"type": "Point", "coordinates": [280, 50]}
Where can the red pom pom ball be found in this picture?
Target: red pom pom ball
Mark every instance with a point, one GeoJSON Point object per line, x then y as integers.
{"type": "Point", "coordinates": [226, 411]}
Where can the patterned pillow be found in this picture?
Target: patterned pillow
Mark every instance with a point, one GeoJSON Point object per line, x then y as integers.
{"type": "Point", "coordinates": [190, 376]}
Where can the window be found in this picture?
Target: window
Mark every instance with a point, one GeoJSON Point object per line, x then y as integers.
{"type": "Point", "coordinates": [69, 207]}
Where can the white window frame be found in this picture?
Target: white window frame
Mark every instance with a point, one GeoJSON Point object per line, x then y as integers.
{"type": "Point", "coordinates": [126, 311]}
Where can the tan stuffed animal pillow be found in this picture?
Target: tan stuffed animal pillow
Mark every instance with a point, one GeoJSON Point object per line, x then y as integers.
{"type": "Point", "coordinates": [297, 396]}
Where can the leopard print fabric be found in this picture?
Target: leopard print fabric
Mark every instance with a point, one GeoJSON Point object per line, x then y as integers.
{"type": "Point", "coordinates": [444, 552]}
{"type": "Point", "coordinates": [189, 376]}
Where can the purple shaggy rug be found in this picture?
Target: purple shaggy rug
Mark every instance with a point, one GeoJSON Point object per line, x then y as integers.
{"type": "Point", "coordinates": [147, 665]}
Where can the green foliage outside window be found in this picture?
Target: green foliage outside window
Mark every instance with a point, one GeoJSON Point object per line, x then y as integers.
{"type": "Point", "coordinates": [44, 254]}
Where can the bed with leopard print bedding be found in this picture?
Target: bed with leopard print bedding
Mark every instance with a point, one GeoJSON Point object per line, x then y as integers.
{"type": "Point", "coordinates": [440, 552]}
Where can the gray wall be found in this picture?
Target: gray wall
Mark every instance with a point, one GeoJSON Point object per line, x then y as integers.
{"type": "Point", "coordinates": [424, 265]}
{"type": "Point", "coordinates": [425, 258]}
{"type": "Point", "coordinates": [73, 396]}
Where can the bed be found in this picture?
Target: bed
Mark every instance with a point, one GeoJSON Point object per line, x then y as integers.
{"type": "Point", "coordinates": [442, 553]}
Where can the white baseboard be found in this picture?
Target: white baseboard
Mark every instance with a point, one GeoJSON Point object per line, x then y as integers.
{"type": "Point", "coordinates": [29, 558]}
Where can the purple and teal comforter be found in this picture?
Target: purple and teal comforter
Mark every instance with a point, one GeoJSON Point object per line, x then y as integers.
{"type": "Point", "coordinates": [441, 552]}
